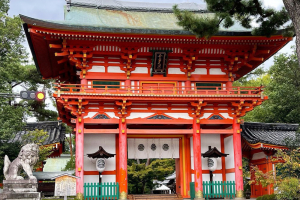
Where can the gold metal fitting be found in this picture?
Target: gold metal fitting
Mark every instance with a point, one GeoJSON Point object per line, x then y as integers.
{"type": "Point", "coordinates": [199, 194]}
{"type": "Point", "coordinates": [79, 131]}
{"type": "Point", "coordinates": [198, 121]}
{"type": "Point", "coordinates": [123, 120]}
{"type": "Point", "coordinates": [239, 194]}
{"type": "Point", "coordinates": [123, 195]}
{"type": "Point", "coordinates": [79, 120]}
{"type": "Point", "coordinates": [79, 196]}
{"type": "Point", "coordinates": [198, 131]}
{"type": "Point", "coordinates": [123, 131]}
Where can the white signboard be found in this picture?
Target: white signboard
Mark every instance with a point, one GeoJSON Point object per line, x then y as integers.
{"type": "Point", "coordinates": [65, 186]}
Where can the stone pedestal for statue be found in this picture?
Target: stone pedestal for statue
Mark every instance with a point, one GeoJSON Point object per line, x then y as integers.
{"type": "Point", "coordinates": [20, 189]}
{"type": "Point", "coordinates": [15, 187]}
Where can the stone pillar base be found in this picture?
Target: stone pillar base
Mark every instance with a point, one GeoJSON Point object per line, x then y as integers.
{"type": "Point", "coordinates": [20, 189]}
{"type": "Point", "coordinates": [25, 195]}
{"type": "Point", "coordinates": [199, 198]}
{"type": "Point", "coordinates": [239, 198]}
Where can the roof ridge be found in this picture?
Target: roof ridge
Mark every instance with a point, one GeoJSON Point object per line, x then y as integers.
{"type": "Point", "coordinates": [137, 6]}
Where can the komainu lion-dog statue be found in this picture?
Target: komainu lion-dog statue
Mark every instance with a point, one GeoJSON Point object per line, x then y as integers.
{"type": "Point", "coordinates": [27, 158]}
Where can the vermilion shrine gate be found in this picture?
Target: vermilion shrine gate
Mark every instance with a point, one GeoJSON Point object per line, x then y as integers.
{"type": "Point", "coordinates": [124, 74]}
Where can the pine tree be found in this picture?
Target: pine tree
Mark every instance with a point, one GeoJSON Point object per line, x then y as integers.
{"type": "Point", "coordinates": [245, 12]}
{"type": "Point", "coordinates": [16, 72]}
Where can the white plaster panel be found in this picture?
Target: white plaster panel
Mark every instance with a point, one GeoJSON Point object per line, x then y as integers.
{"type": "Point", "coordinates": [226, 115]}
{"type": "Point", "coordinates": [141, 70]}
{"type": "Point", "coordinates": [179, 115]}
{"type": "Point", "coordinates": [134, 115]}
{"type": "Point", "coordinates": [96, 68]}
{"type": "Point", "coordinates": [216, 71]}
{"type": "Point", "coordinates": [175, 71]}
{"type": "Point", "coordinates": [95, 178]}
{"type": "Point", "coordinates": [91, 145]}
{"type": "Point", "coordinates": [205, 115]}
{"type": "Point", "coordinates": [193, 177]}
{"type": "Point", "coordinates": [135, 153]}
{"type": "Point", "coordinates": [205, 177]}
{"type": "Point", "coordinates": [192, 152]}
{"type": "Point", "coordinates": [111, 114]}
{"type": "Point", "coordinates": [229, 160]}
{"type": "Point", "coordinates": [230, 177]}
{"type": "Point", "coordinates": [200, 71]}
{"type": "Point", "coordinates": [259, 155]}
{"type": "Point", "coordinates": [90, 114]}
{"type": "Point", "coordinates": [212, 140]}
{"type": "Point", "coordinates": [91, 178]}
{"type": "Point", "coordinates": [191, 145]}
{"type": "Point", "coordinates": [114, 69]}
{"type": "Point", "coordinates": [216, 177]}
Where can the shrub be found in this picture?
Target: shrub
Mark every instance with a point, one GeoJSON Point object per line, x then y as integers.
{"type": "Point", "coordinates": [288, 189]}
{"type": "Point", "coordinates": [267, 197]}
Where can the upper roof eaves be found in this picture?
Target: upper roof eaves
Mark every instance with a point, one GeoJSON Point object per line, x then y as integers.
{"type": "Point", "coordinates": [138, 6]}
{"type": "Point", "coordinates": [113, 16]}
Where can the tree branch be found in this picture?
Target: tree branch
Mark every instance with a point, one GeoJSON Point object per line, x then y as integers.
{"type": "Point", "coordinates": [260, 10]}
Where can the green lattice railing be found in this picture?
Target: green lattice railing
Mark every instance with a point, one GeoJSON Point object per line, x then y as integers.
{"type": "Point", "coordinates": [96, 191]}
{"type": "Point", "coordinates": [215, 189]}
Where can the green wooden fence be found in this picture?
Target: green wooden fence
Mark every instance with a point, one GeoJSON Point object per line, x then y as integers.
{"type": "Point", "coordinates": [215, 189]}
{"type": "Point", "coordinates": [96, 191]}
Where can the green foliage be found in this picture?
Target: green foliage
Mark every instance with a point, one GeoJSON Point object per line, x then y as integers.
{"type": "Point", "coordinates": [9, 149]}
{"type": "Point", "coordinates": [246, 174]}
{"type": "Point", "coordinates": [282, 86]}
{"type": "Point", "coordinates": [38, 137]}
{"type": "Point", "coordinates": [288, 189]}
{"type": "Point", "coordinates": [287, 175]}
{"type": "Point", "coordinates": [15, 72]}
{"type": "Point", "coordinates": [267, 197]}
{"type": "Point", "coordinates": [141, 176]}
{"type": "Point", "coordinates": [228, 12]}
{"type": "Point", "coordinates": [289, 165]}
{"type": "Point", "coordinates": [262, 178]}
{"type": "Point", "coordinates": [202, 27]}
{"type": "Point", "coordinates": [70, 165]}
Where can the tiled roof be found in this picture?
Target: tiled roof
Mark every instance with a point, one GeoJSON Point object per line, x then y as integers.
{"type": "Point", "coordinates": [141, 6]}
{"type": "Point", "coordinates": [268, 133]}
{"type": "Point", "coordinates": [54, 129]}
{"type": "Point", "coordinates": [128, 17]}
{"type": "Point", "coordinates": [50, 175]}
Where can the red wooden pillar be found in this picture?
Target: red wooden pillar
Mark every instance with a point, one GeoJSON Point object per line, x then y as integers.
{"type": "Point", "coordinates": [79, 156]}
{"type": "Point", "coordinates": [197, 159]}
{"type": "Point", "coordinates": [229, 87]}
{"type": "Point", "coordinates": [238, 166]}
{"type": "Point", "coordinates": [188, 86]}
{"type": "Point", "coordinates": [123, 158]}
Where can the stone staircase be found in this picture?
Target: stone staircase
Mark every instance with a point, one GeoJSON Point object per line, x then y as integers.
{"type": "Point", "coordinates": [154, 197]}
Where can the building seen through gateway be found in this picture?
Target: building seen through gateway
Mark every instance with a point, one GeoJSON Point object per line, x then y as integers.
{"type": "Point", "coordinates": [130, 80]}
